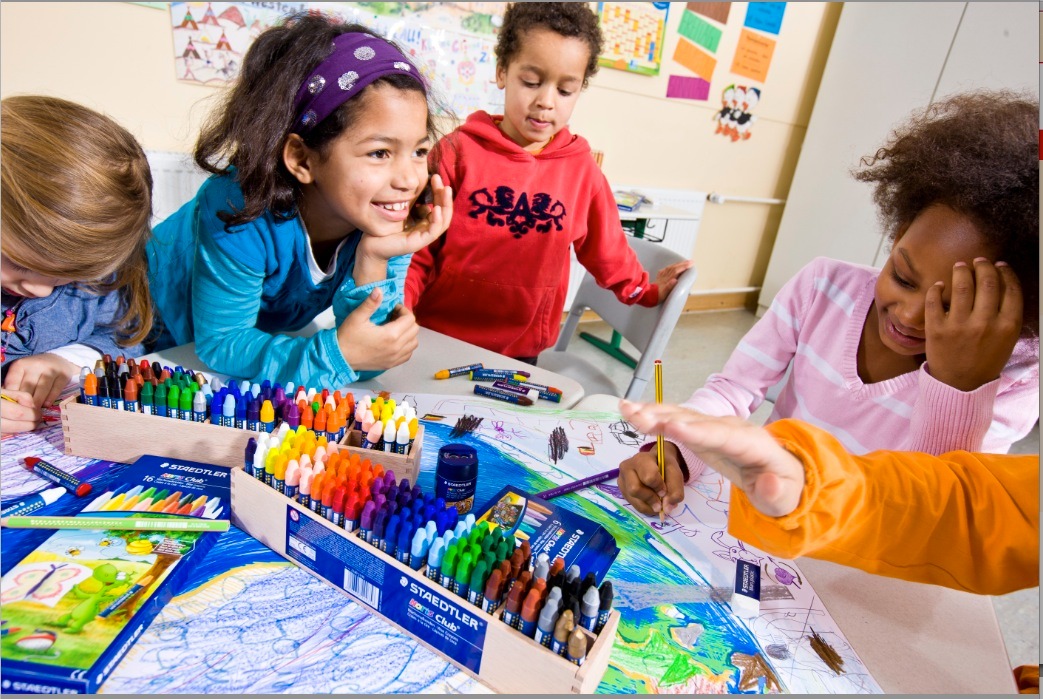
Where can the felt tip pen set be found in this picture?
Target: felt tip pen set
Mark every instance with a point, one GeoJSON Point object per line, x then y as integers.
{"type": "Point", "coordinates": [73, 607]}
{"type": "Point", "coordinates": [471, 591]}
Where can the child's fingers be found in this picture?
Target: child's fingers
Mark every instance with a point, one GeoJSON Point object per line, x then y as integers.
{"type": "Point", "coordinates": [16, 417]}
{"type": "Point", "coordinates": [674, 486]}
{"type": "Point", "coordinates": [962, 299]}
{"type": "Point", "coordinates": [987, 294]}
{"type": "Point", "coordinates": [1012, 303]}
{"type": "Point", "coordinates": [57, 386]}
{"type": "Point", "coordinates": [934, 311]}
{"type": "Point", "coordinates": [644, 499]}
{"type": "Point", "coordinates": [15, 375]}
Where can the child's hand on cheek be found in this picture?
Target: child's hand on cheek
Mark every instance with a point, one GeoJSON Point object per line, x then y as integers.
{"type": "Point", "coordinates": [416, 234]}
{"type": "Point", "coordinates": [43, 376]}
{"type": "Point", "coordinates": [370, 347]}
{"type": "Point", "coordinates": [18, 414]}
{"type": "Point", "coordinates": [969, 345]}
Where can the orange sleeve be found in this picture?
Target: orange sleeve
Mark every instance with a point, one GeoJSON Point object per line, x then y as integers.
{"type": "Point", "coordinates": [962, 520]}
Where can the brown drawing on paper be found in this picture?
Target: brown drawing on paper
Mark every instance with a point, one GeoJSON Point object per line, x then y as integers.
{"type": "Point", "coordinates": [751, 669]}
{"type": "Point", "coordinates": [825, 651]}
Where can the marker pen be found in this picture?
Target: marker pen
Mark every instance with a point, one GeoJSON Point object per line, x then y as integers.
{"type": "Point", "coordinates": [32, 503]}
{"type": "Point", "coordinates": [56, 475]}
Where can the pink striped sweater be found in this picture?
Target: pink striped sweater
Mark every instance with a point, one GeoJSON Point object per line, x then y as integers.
{"type": "Point", "coordinates": [815, 323]}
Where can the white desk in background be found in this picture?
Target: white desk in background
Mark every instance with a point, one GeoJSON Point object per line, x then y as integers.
{"type": "Point", "coordinates": [436, 352]}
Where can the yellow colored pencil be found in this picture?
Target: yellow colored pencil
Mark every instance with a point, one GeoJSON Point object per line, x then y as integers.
{"type": "Point", "coordinates": [660, 446]}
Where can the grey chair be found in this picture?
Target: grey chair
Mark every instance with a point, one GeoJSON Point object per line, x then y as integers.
{"type": "Point", "coordinates": [648, 329]}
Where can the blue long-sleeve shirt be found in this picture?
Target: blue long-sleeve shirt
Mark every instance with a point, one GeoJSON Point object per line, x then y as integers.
{"type": "Point", "coordinates": [234, 291]}
{"type": "Point", "coordinates": [69, 315]}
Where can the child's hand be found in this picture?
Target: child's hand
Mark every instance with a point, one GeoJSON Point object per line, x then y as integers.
{"type": "Point", "coordinates": [416, 234]}
{"type": "Point", "coordinates": [370, 347]}
{"type": "Point", "coordinates": [667, 277]}
{"type": "Point", "coordinates": [19, 414]}
{"type": "Point", "coordinates": [642, 486]}
{"type": "Point", "coordinates": [969, 345]}
{"type": "Point", "coordinates": [747, 455]}
{"type": "Point", "coordinates": [44, 376]}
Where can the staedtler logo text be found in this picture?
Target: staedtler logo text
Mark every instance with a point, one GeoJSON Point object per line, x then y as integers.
{"type": "Point", "coordinates": [222, 473]}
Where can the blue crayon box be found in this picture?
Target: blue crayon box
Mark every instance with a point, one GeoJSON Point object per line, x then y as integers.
{"type": "Point", "coordinates": [74, 605]}
{"type": "Point", "coordinates": [553, 530]}
{"type": "Point", "coordinates": [477, 642]}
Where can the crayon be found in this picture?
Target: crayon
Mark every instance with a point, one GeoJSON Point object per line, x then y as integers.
{"type": "Point", "coordinates": [418, 549]}
{"type": "Point", "coordinates": [493, 586]}
{"type": "Point", "coordinates": [434, 560]}
{"type": "Point", "coordinates": [90, 390]}
{"type": "Point", "coordinates": [604, 606]}
{"type": "Point", "coordinates": [56, 475]}
{"type": "Point", "coordinates": [32, 503]}
{"type": "Point", "coordinates": [501, 395]}
{"type": "Point", "coordinates": [130, 397]}
{"type": "Point", "coordinates": [576, 649]}
{"type": "Point", "coordinates": [498, 375]}
{"type": "Point", "coordinates": [562, 630]}
{"type": "Point", "coordinates": [184, 406]}
{"type": "Point", "coordinates": [545, 624]}
{"type": "Point", "coordinates": [529, 613]}
{"type": "Point", "coordinates": [589, 606]}
{"type": "Point", "coordinates": [457, 371]}
{"type": "Point", "coordinates": [449, 567]}
{"type": "Point", "coordinates": [577, 485]}
{"type": "Point", "coordinates": [513, 605]}
{"type": "Point", "coordinates": [538, 386]}
{"type": "Point", "coordinates": [476, 585]}
{"type": "Point", "coordinates": [122, 599]}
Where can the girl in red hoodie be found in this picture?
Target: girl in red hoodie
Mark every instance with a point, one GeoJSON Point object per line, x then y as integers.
{"type": "Point", "coordinates": [526, 191]}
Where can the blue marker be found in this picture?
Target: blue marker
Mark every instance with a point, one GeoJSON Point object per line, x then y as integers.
{"type": "Point", "coordinates": [33, 503]}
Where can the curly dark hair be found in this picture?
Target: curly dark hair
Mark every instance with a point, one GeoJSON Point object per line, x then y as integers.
{"type": "Point", "coordinates": [573, 19]}
{"type": "Point", "coordinates": [248, 130]}
{"type": "Point", "coordinates": [977, 153]}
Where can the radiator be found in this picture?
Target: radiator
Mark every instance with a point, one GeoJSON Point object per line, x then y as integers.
{"type": "Point", "coordinates": [175, 179]}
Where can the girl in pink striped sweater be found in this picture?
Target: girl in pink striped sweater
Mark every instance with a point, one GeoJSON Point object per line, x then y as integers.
{"type": "Point", "coordinates": [937, 351]}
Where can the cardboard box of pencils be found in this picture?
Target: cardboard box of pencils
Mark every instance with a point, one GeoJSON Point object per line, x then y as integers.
{"type": "Point", "coordinates": [73, 607]}
{"type": "Point", "coordinates": [479, 643]}
{"type": "Point", "coordinates": [118, 435]}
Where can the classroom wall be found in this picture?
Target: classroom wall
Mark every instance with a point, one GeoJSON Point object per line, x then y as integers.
{"type": "Point", "coordinates": [118, 58]}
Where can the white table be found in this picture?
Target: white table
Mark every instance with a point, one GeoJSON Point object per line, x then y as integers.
{"type": "Point", "coordinates": [436, 352]}
{"type": "Point", "coordinates": [913, 638]}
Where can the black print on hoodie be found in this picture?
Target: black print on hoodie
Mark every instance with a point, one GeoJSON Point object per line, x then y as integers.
{"type": "Point", "coordinates": [519, 215]}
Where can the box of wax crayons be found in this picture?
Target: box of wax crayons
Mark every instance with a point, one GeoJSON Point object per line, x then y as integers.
{"type": "Point", "coordinates": [74, 606]}
{"type": "Point", "coordinates": [476, 596]}
{"type": "Point", "coordinates": [552, 530]}
{"type": "Point", "coordinates": [88, 431]}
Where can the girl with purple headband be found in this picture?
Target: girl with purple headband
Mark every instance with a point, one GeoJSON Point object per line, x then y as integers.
{"type": "Point", "coordinates": [319, 161]}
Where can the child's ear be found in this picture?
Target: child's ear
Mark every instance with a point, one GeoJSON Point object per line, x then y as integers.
{"type": "Point", "coordinates": [501, 76]}
{"type": "Point", "coordinates": [297, 157]}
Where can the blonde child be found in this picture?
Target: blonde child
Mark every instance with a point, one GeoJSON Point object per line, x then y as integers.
{"type": "Point", "coordinates": [75, 204]}
{"type": "Point", "coordinates": [318, 154]}
{"type": "Point", "coordinates": [527, 191]}
{"type": "Point", "coordinates": [937, 351]}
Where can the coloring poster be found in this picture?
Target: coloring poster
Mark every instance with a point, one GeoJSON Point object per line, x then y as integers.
{"type": "Point", "coordinates": [634, 34]}
{"type": "Point", "coordinates": [292, 632]}
{"type": "Point", "coordinates": [451, 43]}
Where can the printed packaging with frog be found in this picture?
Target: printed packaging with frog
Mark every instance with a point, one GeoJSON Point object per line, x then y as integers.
{"type": "Point", "coordinates": [73, 607]}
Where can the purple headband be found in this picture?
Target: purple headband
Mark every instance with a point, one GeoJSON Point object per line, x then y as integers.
{"type": "Point", "coordinates": [357, 60]}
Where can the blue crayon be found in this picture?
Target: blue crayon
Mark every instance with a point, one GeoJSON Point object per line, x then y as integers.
{"type": "Point", "coordinates": [418, 549]}
{"type": "Point", "coordinates": [32, 503]}
{"type": "Point", "coordinates": [404, 543]}
{"type": "Point", "coordinates": [228, 410]}
{"type": "Point", "coordinates": [390, 539]}
{"type": "Point", "coordinates": [434, 560]}
{"type": "Point", "coordinates": [241, 404]}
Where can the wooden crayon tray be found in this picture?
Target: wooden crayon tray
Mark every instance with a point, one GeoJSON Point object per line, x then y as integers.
{"type": "Point", "coordinates": [103, 433]}
{"type": "Point", "coordinates": [510, 662]}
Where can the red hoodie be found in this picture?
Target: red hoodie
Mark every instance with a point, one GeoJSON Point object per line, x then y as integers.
{"type": "Point", "coordinates": [498, 276]}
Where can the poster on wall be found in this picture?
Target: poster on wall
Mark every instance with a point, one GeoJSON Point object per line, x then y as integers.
{"type": "Point", "coordinates": [451, 43]}
{"type": "Point", "coordinates": [634, 34]}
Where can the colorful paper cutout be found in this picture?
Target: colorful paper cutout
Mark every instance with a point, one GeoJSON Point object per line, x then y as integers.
{"type": "Point", "coordinates": [765, 16]}
{"type": "Point", "coordinates": [688, 88]}
{"type": "Point", "coordinates": [714, 10]}
{"type": "Point", "coordinates": [694, 59]}
{"type": "Point", "coordinates": [699, 31]}
{"type": "Point", "coordinates": [753, 56]}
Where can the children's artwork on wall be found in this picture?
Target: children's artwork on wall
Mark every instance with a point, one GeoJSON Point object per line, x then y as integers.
{"type": "Point", "coordinates": [634, 33]}
{"type": "Point", "coordinates": [734, 119]}
{"type": "Point", "coordinates": [695, 59]}
{"type": "Point", "coordinates": [765, 16]}
{"type": "Point", "coordinates": [451, 43]}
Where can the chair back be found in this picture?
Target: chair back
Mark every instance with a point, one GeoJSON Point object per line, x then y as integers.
{"type": "Point", "coordinates": [648, 329]}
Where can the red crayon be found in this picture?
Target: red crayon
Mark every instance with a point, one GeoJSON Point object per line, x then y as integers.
{"type": "Point", "coordinates": [556, 567]}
